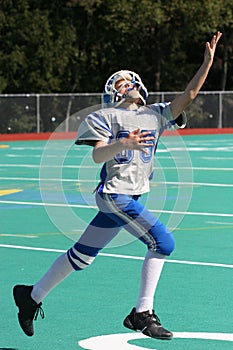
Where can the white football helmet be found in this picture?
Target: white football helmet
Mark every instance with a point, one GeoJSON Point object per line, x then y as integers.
{"type": "Point", "coordinates": [113, 97]}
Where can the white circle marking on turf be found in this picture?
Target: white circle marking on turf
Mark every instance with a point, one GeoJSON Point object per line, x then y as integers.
{"type": "Point", "coordinates": [120, 341]}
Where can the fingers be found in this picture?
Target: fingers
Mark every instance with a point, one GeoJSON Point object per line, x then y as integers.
{"type": "Point", "coordinates": [144, 133]}
{"type": "Point", "coordinates": [136, 131]}
{"type": "Point", "coordinates": [145, 150]}
{"type": "Point", "coordinates": [215, 39]}
{"type": "Point", "coordinates": [145, 145]}
{"type": "Point", "coordinates": [141, 136]}
{"type": "Point", "coordinates": [140, 140]}
{"type": "Point", "coordinates": [218, 36]}
{"type": "Point", "coordinates": [211, 46]}
{"type": "Point", "coordinates": [143, 139]}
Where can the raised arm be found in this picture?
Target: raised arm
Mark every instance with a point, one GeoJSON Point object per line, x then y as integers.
{"type": "Point", "coordinates": [182, 101]}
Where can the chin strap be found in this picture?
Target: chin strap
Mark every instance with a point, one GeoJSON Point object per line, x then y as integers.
{"type": "Point", "coordinates": [131, 95]}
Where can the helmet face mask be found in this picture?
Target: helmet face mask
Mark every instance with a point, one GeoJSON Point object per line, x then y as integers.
{"type": "Point", "coordinates": [112, 95]}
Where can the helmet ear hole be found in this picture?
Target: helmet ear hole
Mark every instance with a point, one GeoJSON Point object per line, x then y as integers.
{"type": "Point", "coordinates": [107, 99]}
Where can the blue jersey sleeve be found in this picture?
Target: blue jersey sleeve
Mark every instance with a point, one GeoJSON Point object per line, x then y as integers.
{"type": "Point", "coordinates": [95, 127]}
{"type": "Point", "coordinates": [167, 121]}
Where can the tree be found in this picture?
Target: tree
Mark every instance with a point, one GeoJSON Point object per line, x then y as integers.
{"type": "Point", "coordinates": [74, 45]}
{"type": "Point", "coordinates": [36, 52]}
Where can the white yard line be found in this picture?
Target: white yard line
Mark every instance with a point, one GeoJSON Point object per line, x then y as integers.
{"type": "Point", "coordinates": [208, 184]}
{"type": "Point", "coordinates": [118, 256]}
{"type": "Point", "coordinates": [95, 207]}
{"type": "Point", "coordinates": [93, 166]}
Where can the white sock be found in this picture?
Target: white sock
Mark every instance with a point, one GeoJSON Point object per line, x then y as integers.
{"type": "Point", "coordinates": [60, 269]}
{"type": "Point", "coordinates": [151, 271]}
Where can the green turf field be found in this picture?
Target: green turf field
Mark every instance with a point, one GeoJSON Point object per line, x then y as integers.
{"type": "Point", "coordinates": [46, 201]}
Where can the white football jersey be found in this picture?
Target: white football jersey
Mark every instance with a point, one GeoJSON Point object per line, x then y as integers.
{"type": "Point", "coordinates": [128, 172]}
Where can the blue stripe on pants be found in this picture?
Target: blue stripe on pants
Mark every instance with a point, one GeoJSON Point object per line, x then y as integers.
{"type": "Point", "coordinates": [119, 211]}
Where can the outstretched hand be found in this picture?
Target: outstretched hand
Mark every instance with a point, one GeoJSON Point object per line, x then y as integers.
{"type": "Point", "coordinates": [211, 47]}
{"type": "Point", "coordinates": [137, 140]}
{"type": "Point", "coordinates": [181, 101]}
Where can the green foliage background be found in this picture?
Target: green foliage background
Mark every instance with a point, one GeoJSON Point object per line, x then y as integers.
{"type": "Point", "coordinates": [73, 46]}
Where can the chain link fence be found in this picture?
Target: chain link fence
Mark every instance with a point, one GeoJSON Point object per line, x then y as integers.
{"type": "Point", "coordinates": [36, 113]}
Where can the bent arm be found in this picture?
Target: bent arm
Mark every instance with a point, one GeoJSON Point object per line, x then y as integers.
{"type": "Point", "coordinates": [102, 152]}
{"type": "Point", "coordinates": [136, 139]}
{"type": "Point", "coordinates": [182, 101]}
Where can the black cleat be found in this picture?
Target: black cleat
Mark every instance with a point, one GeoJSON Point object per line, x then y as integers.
{"type": "Point", "coordinates": [148, 324]}
{"type": "Point", "coordinates": [28, 308]}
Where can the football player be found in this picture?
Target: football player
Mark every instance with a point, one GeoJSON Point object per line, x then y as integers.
{"type": "Point", "coordinates": [124, 138]}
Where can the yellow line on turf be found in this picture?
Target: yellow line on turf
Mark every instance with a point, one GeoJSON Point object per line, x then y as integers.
{"type": "Point", "coordinates": [5, 192]}
{"type": "Point", "coordinates": [16, 235]}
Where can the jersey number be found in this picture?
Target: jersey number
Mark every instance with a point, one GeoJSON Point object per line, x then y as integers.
{"type": "Point", "coordinates": [126, 156]}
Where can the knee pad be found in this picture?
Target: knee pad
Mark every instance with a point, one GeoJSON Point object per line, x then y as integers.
{"type": "Point", "coordinates": [166, 244]}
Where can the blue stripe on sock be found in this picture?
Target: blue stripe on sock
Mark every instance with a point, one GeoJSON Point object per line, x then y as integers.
{"type": "Point", "coordinates": [87, 250]}
{"type": "Point", "coordinates": [72, 253]}
{"type": "Point", "coordinates": [77, 268]}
